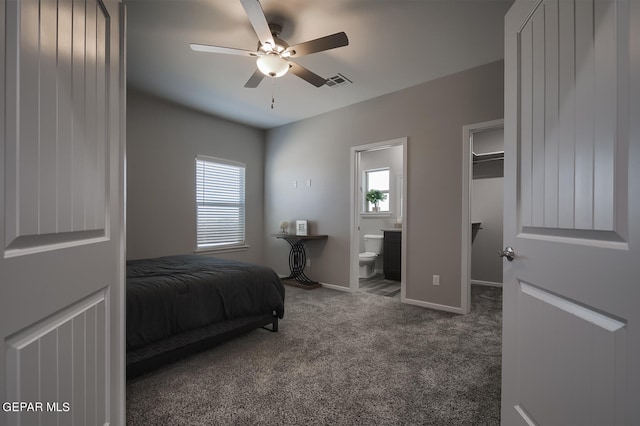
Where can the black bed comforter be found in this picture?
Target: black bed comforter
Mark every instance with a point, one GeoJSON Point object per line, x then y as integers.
{"type": "Point", "coordinates": [169, 295]}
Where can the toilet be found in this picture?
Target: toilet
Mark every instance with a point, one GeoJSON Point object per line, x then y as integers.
{"type": "Point", "coordinates": [367, 260]}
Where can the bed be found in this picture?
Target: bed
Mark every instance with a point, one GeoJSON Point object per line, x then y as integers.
{"type": "Point", "coordinates": [177, 305]}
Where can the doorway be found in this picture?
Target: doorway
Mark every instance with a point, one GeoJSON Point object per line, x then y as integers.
{"type": "Point", "coordinates": [482, 171]}
{"type": "Point", "coordinates": [387, 159]}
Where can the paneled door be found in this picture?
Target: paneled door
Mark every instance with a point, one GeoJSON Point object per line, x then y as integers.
{"type": "Point", "coordinates": [62, 205]}
{"type": "Point", "coordinates": [571, 331]}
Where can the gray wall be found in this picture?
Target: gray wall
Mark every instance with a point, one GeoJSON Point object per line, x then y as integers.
{"type": "Point", "coordinates": [431, 115]}
{"type": "Point", "coordinates": [486, 205]}
{"type": "Point", "coordinates": [163, 140]}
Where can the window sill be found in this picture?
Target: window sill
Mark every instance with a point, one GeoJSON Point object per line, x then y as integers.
{"type": "Point", "coordinates": [365, 215]}
{"type": "Point", "coordinates": [224, 249]}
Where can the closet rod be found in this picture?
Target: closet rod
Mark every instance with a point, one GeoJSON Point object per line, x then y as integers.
{"type": "Point", "coordinates": [484, 160]}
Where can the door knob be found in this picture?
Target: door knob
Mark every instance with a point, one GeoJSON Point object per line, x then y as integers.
{"type": "Point", "coordinates": [508, 253]}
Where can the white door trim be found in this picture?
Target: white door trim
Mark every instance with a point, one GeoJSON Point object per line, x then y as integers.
{"type": "Point", "coordinates": [119, 332]}
{"type": "Point", "coordinates": [467, 176]}
{"type": "Point", "coordinates": [355, 211]}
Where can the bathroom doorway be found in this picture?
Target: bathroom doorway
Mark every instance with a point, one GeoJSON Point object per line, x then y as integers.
{"type": "Point", "coordinates": [380, 167]}
{"type": "Point", "coordinates": [482, 206]}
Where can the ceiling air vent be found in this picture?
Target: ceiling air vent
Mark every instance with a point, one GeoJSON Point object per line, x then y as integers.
{"type": "Point", "coordinates": [338, 80]}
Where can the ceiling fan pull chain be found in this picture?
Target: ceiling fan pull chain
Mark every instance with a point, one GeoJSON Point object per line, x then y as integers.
{"type": "Point", "coordinates": [273, 100]}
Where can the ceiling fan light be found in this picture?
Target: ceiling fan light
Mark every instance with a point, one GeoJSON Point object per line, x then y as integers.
{"type": "Point", "coordinates": [272, 65]}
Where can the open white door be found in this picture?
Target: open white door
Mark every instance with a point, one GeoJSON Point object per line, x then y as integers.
{"type": "Point", "coordinates": [62, 206]}
{"type": "Point", "coordinates": [571, 342]}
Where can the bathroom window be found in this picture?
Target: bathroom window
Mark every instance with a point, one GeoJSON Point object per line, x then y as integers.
{"type": "Point", "coordinates": [377, 179]}
{"type": "Point", "coordinates": [220, 200]}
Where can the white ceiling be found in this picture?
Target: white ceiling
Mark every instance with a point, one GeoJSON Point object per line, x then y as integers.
{"type": "Point", "coordinates": [393, 44]}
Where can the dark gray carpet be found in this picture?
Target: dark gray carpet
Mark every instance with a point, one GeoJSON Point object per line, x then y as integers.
{"type": "Point", "coordinates": [339, 358]}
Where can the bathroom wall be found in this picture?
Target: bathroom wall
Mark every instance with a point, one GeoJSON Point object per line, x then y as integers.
{"type": "Point", "coordinates": [373, 223]}
{"type": "Point", "coordinates": [486, 206]}
{"type": "Point", "coordinates": [391, 158]}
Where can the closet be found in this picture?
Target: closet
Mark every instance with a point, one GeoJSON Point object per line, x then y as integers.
{"type": "Point", "coordinates": [486, 206]}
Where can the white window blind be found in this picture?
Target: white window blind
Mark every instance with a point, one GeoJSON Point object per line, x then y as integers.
{"type": "Point", "coordinates": [220, 200]}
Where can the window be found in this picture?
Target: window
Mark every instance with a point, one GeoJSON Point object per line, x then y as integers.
{"type": "Point", "coordinates": [220, 202]}
{"type": "Point", "coordinates": [377, 179]}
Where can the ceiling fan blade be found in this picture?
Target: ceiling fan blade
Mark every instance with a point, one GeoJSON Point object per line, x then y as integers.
{"type": "Point", "coordinates": [318, 45]}
{"type": "Point", "coordinates": [218, 49]}
{"type": "Point", "coordinates": [254, 80]}
{"type": "Point", "coordinates": [258, 21]}
{"type": "Point", "coordinates": [307, 75]}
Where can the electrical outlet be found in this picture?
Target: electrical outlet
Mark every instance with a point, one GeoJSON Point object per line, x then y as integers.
{"type": "Point", "coordinates": [295, 183]}
{"type": "Point", "coordinates": [308, 263]}
{"type": "Point", "coordinates": [436, 280]}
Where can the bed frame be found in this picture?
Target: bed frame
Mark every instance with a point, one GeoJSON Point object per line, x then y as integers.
{"type": "Point", "coordinates": [158, 354]}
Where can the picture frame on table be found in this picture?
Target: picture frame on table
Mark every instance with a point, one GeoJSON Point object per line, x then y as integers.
{"type": "Point", "coordinates": [302, 227]}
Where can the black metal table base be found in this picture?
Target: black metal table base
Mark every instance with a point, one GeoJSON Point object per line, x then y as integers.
{"type": "Point", "coordinates": [297, 262]}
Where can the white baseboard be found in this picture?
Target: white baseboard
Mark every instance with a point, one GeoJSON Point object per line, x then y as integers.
{"type": "Point", "coordinates": [435, 306]}
{"type": "Point", "coordinates": [336, 287]}
{"type": "Point", "coordinates": [487, 283]}
{"type": "Point", "coordinates": [420, 303]}
{"type": "Point", "coordinates": [331, 286]}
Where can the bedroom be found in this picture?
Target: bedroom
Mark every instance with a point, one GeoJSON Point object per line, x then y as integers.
{"type": "Point", "coordinates": [432, 111]}
{"type": "Point", "coordinates": [428, 105]}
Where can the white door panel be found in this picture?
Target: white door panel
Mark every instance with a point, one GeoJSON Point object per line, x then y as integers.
{"type": "Point", "coordinates": [62, 204]}
{"type": "Point", "coordinates": [568, 89]}
{"type": "Point", "coordinates": [71, 344]}
{"type": "Point", "coordinates": [571, 337]}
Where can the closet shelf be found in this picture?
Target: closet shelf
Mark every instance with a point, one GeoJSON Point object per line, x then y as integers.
{"type": "Point", "coordinates": [488, 156]}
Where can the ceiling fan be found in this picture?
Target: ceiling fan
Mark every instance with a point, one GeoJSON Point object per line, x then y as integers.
{"type": "Point", "coordinates": [274, 54]}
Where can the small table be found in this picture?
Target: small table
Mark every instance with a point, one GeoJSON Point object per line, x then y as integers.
{"type": "Point", "coordinates": [298, 257]}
